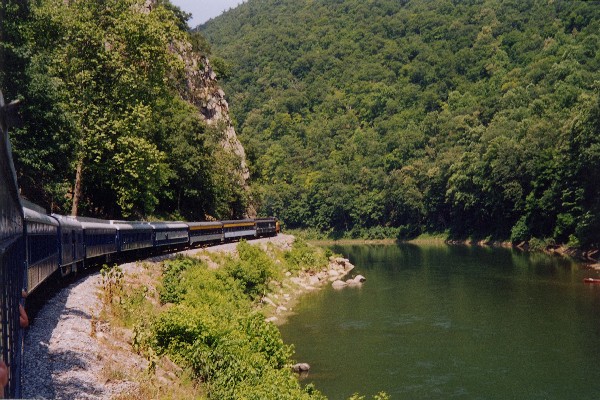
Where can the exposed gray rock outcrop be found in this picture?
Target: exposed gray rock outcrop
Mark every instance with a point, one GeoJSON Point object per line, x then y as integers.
{"type": "Point", "coordinates": [204, 92]}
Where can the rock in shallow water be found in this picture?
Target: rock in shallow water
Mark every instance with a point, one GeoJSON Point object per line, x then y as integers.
{"type": "Point", "coordinates": [339, 284]}
{"type": "Point", "coordinates": [300, 367]}
{"type": "Point", "coordinates": [358, 280]}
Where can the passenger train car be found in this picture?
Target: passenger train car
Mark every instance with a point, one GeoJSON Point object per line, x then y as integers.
{"type": "Point", "coordinates": [67, 244]}
{"type": "Point", "coordinates": [205, 232]}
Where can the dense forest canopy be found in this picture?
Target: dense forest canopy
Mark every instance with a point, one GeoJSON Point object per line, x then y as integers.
{"type": "Point", "coordinates": [106, 126]}
{"type": "Point", "coordinates": [478, 117]}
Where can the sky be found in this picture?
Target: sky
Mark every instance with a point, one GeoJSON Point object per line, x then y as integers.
{"type": "Point", "coordinates": [203, 10]}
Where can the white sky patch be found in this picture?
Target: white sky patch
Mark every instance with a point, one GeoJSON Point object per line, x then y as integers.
{"type": "Point", "coordinates": [203, 10]}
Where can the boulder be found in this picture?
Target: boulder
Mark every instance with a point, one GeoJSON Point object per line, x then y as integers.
{"type": "Point", "coordinates": [281, 309]}
{"type": "Point", "coordinates": [339, 284]}
{"type": "Point", "coordinates": [313, 280]}
{"type": "Point", "coordinates": [268, 301]}
{"type": "Point", "coordinates": [300, 367]}
{"type": "Point", "coordinates": [340, 261]}
{"type": "Point", "coordinates": [357, 280]}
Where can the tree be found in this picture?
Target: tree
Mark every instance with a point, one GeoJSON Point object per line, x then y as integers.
{"type": "Point", "coordinates": [110, 60]}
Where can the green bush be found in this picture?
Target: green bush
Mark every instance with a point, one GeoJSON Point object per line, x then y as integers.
{"type": "Point", "coordinates": [573, 241]}
{"type": "Point", "coordinates": [265, 339]}
{"type": "Point", "coordinates": [302, 256]}
{"type": "Point", "coordinates": [171, 290]}
{"type": "Point", "coordinates": [540, 244]}
{"type": "Point", "coordinates": [215, 331]}
{"type": "Point", "coordinates": [253, 269]}
{"type": "Point", "coordinates": [520, 231]}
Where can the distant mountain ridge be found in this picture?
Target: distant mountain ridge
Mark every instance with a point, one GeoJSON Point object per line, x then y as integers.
{"type": "Point", "coordinates": [412, 116]}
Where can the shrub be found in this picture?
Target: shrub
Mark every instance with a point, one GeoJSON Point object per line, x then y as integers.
{"type": "Point", "coordinates": [302, 256]}
{"type": "Point", "coordinates": [215, 332]}
{"type": "Point", "coordinates": [520, 231]}
{"type": "Point", "coordinates": [253, 269]}
{"type": "Point", "coordinates": [573, 241]}
{"type": "Point", "coordinates": [536, 244]}
{"type": "Point", "coordinates": [172, 291]}
{"type": "Point", "coordinates": [112, 284]}
{"type": "Point", "coordinates": [264, 338]}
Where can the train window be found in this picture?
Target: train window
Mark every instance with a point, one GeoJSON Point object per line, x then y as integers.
{"type": "Point", "coordinates": [41, 247]}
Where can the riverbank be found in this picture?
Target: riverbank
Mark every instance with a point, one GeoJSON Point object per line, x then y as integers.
{"type": "Point", "coordinates": [591, 257]}
{"type": "Point", "coordinates": [81, 344]}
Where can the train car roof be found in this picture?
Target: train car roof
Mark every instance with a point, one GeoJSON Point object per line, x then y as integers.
{"type": "Point", "coordinates": [36, 216]}
{"type": "Point", "coordinates": [32, 206]}
{"type": "Point", "coordinates": [131, 225]}
{"type": "Point", "coordinates": [210, 223]}
{"type": "Point", "coordinates": [238, 221]}
{"type": "Point", "coordinates": [88, 219]}
{"type": "Point", "coordinates": [170, 225]}
{"type": "Point", "coordinates": [89, 223]}
{"type": "Point", "coordinates": [67, 221]}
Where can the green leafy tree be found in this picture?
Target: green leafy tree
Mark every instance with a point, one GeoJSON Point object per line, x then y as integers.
{"type": "Point", "coordinates": [458, 112]}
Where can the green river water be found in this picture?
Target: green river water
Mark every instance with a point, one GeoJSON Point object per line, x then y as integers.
{"type": "Point", "coordinates": [442, 322]}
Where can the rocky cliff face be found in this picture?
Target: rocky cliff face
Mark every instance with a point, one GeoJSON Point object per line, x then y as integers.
{"type": "Point", "coordinates": [203, 91]}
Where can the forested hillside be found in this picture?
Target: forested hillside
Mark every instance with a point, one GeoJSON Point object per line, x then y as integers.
{"type": "Point", "coordinates": [477, 117]}
{"type": "Point", "coordinates": [113, 96]}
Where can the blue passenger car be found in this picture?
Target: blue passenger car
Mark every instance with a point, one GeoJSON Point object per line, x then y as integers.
{"type": "Point", "coordinates": [100, 238]}
{"type": "Point", "coordinates": [205, 232]}
{"type": "Point", "coordinates": [12, 256]}
{"type": "Point", "coordinates": [71, 245]}
{"type": "Point", "coordinates": [170, 233]}
{"type": "Point", "coordinates": [42, 255]}
{"type": "Point", "coordinates": [133, 235]}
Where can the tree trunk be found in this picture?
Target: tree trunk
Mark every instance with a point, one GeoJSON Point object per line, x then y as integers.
{"type": "Point", "coordinates": [77, 189]}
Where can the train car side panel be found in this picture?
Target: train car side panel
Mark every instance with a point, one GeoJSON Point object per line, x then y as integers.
{"type": "Point", "coordinates": [12, 256]}
{"type": "Point", "coordinates": [205, 232]}
{"type": "Point", "coordinates": [238, 229]}
{"type": "Point", "coordinates": [170, 233]}
{"type": "Point", "coordinates": [42, 252]}
{"type": "Point", "coordinates": [71, 243]}
{"type": "Point", "coordinates": [133, 235]}
{"type": "Point", "coordinates": [99, 236]}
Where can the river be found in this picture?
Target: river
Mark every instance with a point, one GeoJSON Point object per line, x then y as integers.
{"type": "Point", "coordinates": [440, 322]}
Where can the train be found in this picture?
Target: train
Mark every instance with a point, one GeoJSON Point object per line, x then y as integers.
{"type": "Point", "coordinates": [68, 244]}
